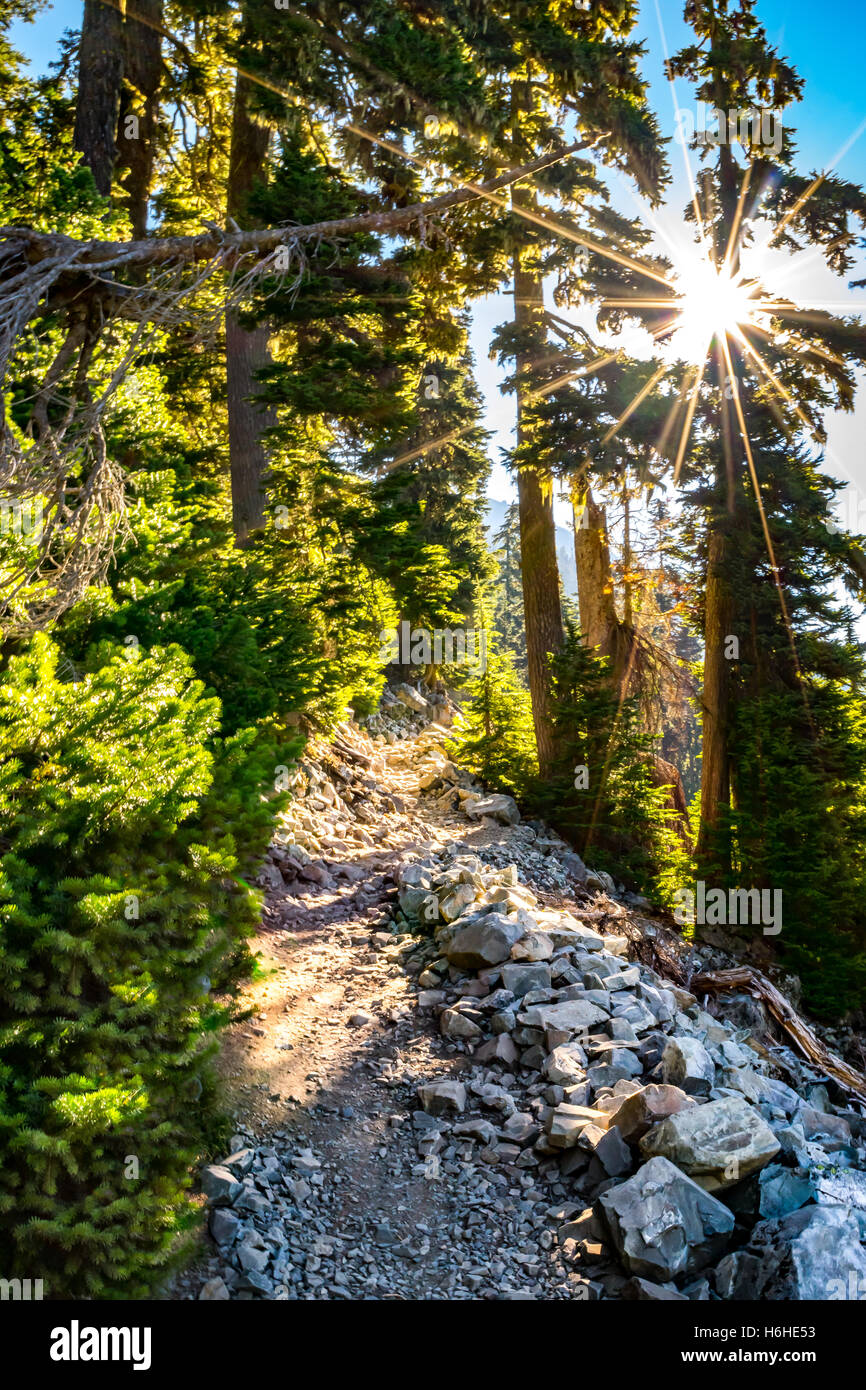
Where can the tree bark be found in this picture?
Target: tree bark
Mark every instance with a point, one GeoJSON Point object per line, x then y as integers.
{"type": "Point", "coordinates": [713, 852]}
{"type": "Point", "coordinates": [97, 255]}
{"type": "Point", "coordinates": [142, 69]}
{"type": "Point", "coordinates": [247, 350]}
{"type": "Point", "coordinates": [595, 599]}
{"type": "Point", "coordinates": [100, 81]}
{"type": "Point", "coordinates": [600, 626]}
{"type": "Point", "coordinates": [542, 609]}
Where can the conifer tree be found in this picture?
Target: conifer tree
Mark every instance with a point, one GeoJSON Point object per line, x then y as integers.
{"type": "Point", "coordinates": [603, 796]}
{"type": "Point", "coordinates": [496, 737]}
{"type": "Point", "coordinates": [508, 609]}
{"type": "Point", "coordinates": [122, 902]}
{"type": "Point", "coordinates": [774, 636]}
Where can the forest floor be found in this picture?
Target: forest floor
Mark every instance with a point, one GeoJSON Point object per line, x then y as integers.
{"type": "Point", "coordinates": [335, 1051]}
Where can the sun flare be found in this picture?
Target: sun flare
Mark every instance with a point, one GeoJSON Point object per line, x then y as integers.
{"type": "Point", "coordinates": [713, 303]}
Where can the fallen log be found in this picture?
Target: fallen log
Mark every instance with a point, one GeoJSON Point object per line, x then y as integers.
{"type": "Point", "coordinates": [802, 1036]}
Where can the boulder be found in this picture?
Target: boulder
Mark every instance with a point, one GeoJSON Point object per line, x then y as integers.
{"type": "Point", "coordinates": [251, 1254]}
{"type": "Point", "coordinates": [497, 807]}
{"type": "Point", "coordinates": [570, 1015]}
{"type": "Point", "coordinates": [534, 946]}
{"type": "Point", "coordinates": [818, 1125]}
{"type": "Point", "coordinates": [418, 903]}
{"type": "Point", "coordinates": [461, 896]}
{"type": "Point", "coordinates": [663, 1224]}
{"type": "Point", "coordinates": [440, 1097]}
{"type": "Point", "coordinates": [214, 1291]}
{"type": "Point", "coordinates": [609, 1149]}
{"type": "Point", "coordinates": [573, 864]}
{"type": "Point", "coordinates": [645, 1108]}
{"type": "Point", "coordinates": [645, 1291]}
{"type": "Point", "coordinates": [687, 1064]}
{"type": "Point", "coordinates": [567, 1123]}
{"type": "Point", "coordinates": [597, 878]}
{"type": "Point", "coordinates": [224, 1225]}
{"type": "Point", "coordinates": [813, 1254]}
{"type": "Point", "coordinates": [481, 1131]}
{"type": "Point", "coordinates": [486, 941]}
{"type": "Point", "coordinates": [772, 1193]}
{"type": "Point", "coordinates": [220, 1185]}
{"type": "Point", "coordinates": [566, 1064]}
{"type": "Point", "coordinates": [409, 697]}
{"type": "Point", "coordinates": [240, 1162]}
{"type": "Point", "coordinates": [499, 1049]}
{"type": "Point", "coordinates": [718, 1144]}
{"type": "Point", "coordinates": [454, 1024]}
{"type": "Point", "coordinates": [521, 977]}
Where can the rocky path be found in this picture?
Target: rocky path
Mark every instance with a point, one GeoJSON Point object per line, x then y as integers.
{"type": "Point", "coordinates": [323, 1079]}
{"type": "Point", "coordinates": [416, 1123]}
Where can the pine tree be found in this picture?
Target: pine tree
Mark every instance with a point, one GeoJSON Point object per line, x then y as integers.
{"type": "Point", "coordinates": [496, 739]}
{"type": "Point", "coordinates": [122, 901]}
{"type": "Point", "coordinates": [508, 609]}
{"type": "Point", "coordinates": [781, 679]}
{"type": "Point", "coordinates": [603, 797]}
{"type": "Point", "coordinates": [569, 63]}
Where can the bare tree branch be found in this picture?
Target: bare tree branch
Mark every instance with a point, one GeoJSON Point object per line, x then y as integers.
{"type": "Point", "coordinates": [36, 248]}
{"type": "Point", "coordinates": [61, 457]}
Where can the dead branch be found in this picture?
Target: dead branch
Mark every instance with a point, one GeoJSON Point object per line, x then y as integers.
{"type": "Point", "coordinates": [153, 283]}
{"type": "Point", "coordinates": [36, 248]}
{"type": "Point", "coordinates": [803, 1037]}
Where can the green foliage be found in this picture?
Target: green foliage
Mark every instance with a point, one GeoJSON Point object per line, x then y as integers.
{"type": "Point", "coordinates": [799, 826]}
{"type": "Point", "coordinates": [508, 618]}
{"type": "Point", "coordinates": [128, 830]}
{"type": "Point", "coordinates": [619, 819]}
{"type": "Point", "coordinates": [496, 740]}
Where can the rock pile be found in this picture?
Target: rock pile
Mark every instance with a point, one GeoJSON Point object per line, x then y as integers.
{"type": "Point", "coordinates": [669, 1121]}
{"type": "Point", "coordinates": [599, 1132]}
{"type": "Point", "coordinates": [404, 711]}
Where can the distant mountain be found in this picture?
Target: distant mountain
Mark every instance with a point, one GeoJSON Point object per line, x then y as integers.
{"type": "Point", "coordinates": [494, 520]}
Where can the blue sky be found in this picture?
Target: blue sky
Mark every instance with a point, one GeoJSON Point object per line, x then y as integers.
{"type": "Point", "coordinates": [825, 43]}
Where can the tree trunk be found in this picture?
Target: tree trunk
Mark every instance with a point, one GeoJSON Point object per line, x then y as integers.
{"type": "Point", "coordinates": [136, 138]}
{"type": "Point", "coordinates": [600, 626]}
{"type": "Point", "coordinates": [247, 350]}
{"type": "Point", "coordinates": [100, 81]}
{"type": "Point", "coordinates": [713, 850]}
{"type": "Point", "coordinates": [540, 572]}
{"type": "Point", "coordinates": [627, 584]}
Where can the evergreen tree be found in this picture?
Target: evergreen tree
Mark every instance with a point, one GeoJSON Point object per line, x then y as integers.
{"type": "Point", "coordinates": [122, 901]}
{"type": "Point", "coordinates": [603, 798]}
{"type": "Point", "coordinates": [508, 609]}
{"type": "Point", "coordinates": [496, 738]}
{"type": "Point", "coordinates": [782, 679]}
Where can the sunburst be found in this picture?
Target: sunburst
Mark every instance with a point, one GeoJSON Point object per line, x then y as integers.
{"type": "Point", "coordinates": [711, 304]}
